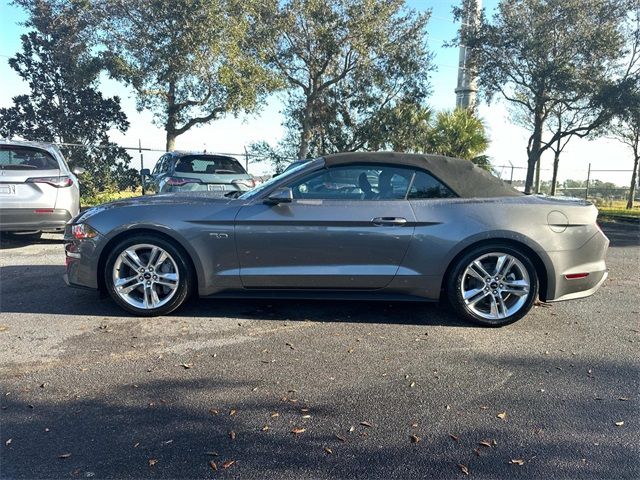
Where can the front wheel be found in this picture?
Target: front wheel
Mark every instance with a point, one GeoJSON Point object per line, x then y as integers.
{"type": "Point", "coordinates": [147, 276]}
{"type": "Point", "coordinates": [493, 285]}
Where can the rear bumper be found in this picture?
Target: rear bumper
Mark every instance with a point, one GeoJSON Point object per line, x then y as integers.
{"type": "Point", "coordinates": [30, 219]}
{"type": "Point", "coordinates": [590, 260]}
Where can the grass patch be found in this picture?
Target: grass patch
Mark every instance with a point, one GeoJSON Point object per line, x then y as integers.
{"type": "Point", "coordinates": [104, 197]}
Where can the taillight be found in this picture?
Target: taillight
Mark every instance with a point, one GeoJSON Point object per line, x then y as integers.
{"type": "Point", "coordinates": [179, 181]}
{"type": "Point", "coordinates": [58, 182]}
{"type": "Point", "coordinates": [83, 231]}
{"type": "Point", "coordinates": [247, 182]}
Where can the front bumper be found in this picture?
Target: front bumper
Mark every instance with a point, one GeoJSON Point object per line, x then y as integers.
{"type": "Point", "coordinates": [81, 261]}
{"type": "Point", "coordinates": [32, 219]}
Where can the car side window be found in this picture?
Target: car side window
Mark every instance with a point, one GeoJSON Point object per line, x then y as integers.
{"type": "Point", "coordinates": [355, 182]}
{"type": "Point", "coordinates": [426, 186]}
{"type": "Point", "coordinates": [158, 168]}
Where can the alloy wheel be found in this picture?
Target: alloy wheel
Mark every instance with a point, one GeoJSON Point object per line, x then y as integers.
{"type": "Point", "coordinates": [145, 276]}
{"type": "Point", "coordinates": [495, 286]}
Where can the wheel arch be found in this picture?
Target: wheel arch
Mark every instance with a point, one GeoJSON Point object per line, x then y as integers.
{"type": "Point", "coordinates": [122, 235]}
{"type": "Point", "coordinates": [542, 270]}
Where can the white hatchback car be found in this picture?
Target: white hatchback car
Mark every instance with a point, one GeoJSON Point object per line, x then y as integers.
{"type": "Point", "coordinates": [38, 190]}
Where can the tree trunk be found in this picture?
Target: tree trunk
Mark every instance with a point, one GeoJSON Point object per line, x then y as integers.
{"type": "Point", "coordinates": [554, 179]}
{"type": "Point", "coordinates": [632, 188]}
{"type": "Point", "coordinates": [305, 134]}
{"type": "Point", "coordinates": [538, 167]}
{"type": "Point", "coordinates": [172, 120]}
{"type": "Point", "coordinates": [171, 141]}
{"type": "Point", "coordinates": [534, 151]}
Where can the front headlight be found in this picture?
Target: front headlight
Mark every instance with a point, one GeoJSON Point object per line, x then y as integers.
{"type": "Point", "coordinates": [83, 231]}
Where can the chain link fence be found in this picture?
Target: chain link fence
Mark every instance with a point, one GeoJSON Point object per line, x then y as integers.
{"type": "Point", "coordinates": [113, 172]}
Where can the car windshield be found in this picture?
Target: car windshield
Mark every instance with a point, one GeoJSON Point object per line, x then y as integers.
{"type": "Point", "coordinates": [266, 185]}
{"type": "Point", "coordinates": [14, 157]}
{"type": "Point", "coordinates": [209, 164]}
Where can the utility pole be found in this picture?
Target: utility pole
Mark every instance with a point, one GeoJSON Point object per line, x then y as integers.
{"type": "Point", "coordinates": [466, 91]}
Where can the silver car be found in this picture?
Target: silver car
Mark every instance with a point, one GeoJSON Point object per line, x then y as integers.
{"type": "Point", "coordinates": [38, 190]}
{"type": "Point", "coordinates": [188, 172]}
{"type": "Point", "coordinates": [359, 225]}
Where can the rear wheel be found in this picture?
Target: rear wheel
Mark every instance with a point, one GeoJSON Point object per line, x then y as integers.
{"type": "Point", "coordinates": [493, 285]}
{"type": "Point", "coordinates": [147, 275]}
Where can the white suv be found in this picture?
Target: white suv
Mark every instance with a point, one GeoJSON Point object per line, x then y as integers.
{"type": "Point", "coordinates": [38, 191]}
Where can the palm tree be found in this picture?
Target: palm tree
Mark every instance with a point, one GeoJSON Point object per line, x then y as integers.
{"type": "Point", "coordinates": [458, 133]}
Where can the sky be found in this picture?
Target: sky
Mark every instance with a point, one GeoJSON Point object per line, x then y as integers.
{"type": "Point", "coordinates": [231, 135]}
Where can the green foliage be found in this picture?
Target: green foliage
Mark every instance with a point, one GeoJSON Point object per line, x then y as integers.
{"type": "Point", "coordinates": [542, 54]}
{"type": "Point", "coordinates": [64, 104]}
{"type": "Point", "coordinates": [459, 134]}
{"type": "Point", "coordinates": [407, 128]}
{"type": "Point", "coordinates": [346, 63]}
{"type": "Point", "coordinates": [189, 61]}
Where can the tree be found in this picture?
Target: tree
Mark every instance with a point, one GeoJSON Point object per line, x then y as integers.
{"type": "Point", "coordinates": [189, 61]}
{"type": "Point", "coordinates": [64, 104]}
{"type": "Point", "coordinates": [458, 133]}
{"type": "Point", "coordinates": [407, 128]}
{"type": "Point", "coordinates": [345, 62]}
{"type": "Point", "coordinates": [626, 129]}
{"type": "Point", "coordinates": [539, 54]}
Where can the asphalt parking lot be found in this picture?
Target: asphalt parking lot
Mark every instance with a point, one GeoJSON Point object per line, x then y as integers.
{"type": "Point", "coordinates": [282, 389]}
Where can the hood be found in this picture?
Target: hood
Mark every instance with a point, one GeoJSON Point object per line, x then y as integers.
{"type": "Point", "coordinates": [178, 198]}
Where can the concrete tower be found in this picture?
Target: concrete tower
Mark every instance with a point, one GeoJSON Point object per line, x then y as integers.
{"type": "Point", "coordinates": [467, 84]}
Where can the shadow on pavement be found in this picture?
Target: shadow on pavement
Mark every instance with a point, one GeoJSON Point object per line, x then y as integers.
{"type": "Point", "coordinates": [116, 431]}
{"type": "Point", "coordinates": [622, 234]}
{"type": "Point", "coordinates": [39, 289]}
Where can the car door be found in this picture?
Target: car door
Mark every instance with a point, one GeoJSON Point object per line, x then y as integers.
{"type": "Point", "coordinates": [347, 227]}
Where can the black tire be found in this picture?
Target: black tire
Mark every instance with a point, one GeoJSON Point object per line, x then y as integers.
{"type": "Point", "coordinates": [454, 288]}
{"type": "Point", "coordinates": [185, 284]}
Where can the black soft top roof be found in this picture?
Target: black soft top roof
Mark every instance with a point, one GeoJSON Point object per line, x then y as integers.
{"type": "Point", "coordinates": [462, 176]}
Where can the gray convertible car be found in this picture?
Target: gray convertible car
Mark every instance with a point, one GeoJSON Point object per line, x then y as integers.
{"type": "Point", "coordinates": [359, 225]}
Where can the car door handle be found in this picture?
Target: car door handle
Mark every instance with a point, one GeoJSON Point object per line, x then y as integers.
{"type": "Point", "coordinates": [389, 221]}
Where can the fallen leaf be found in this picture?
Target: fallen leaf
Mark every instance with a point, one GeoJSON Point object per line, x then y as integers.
{"type": "Point", "coordinates": [274, 414]}
{"type": "Point", "coordinates": [494, 443]}
{"type": "Point", "coordinates": [213, 454]}
{"type": "Point", "coordinates": [8, 442]}
{"type": "Point", "coordinates": [167, 442]}
{"type": "Point", "coordinates": [502, 415]}
{"type": "Point", "coordinates": [619, 424]}
{"type": "Point", "coordinates": [64, 455]}
{"type": "Point", "coordinates": [152, 461]}
{"type": "Point", "coordinates": [453, 437]}
{"type": "Point", "coordinates": [232, 412]}
{"type": "Point", "coordinates": [136, 445]}
{"type": "Point", "coordinates": [304, 410]}
{"type": "Point", "coordinates": [265, 428]}
{"type": "Point", "coordinates": [213, 465]}
{"type": "Point", "coordinates": [187, 366]}
{"type": "Point", "coordinates": [214, 411]}
{"type": "Point", "coordinates": [463, 468]}
{"type": "Point", "coordinates": [228, 463]}
{"type": "Point", "coordinates": [366, 424]}
{"type": "Point", "coordinates": [342, 439]}
{"type": "Point", "coordinates": [517, 461]}
{"type": "Point", "coordinates": [328, 450]}
{"type": "Point", "coordinates": [298, 430]}
{"type": "Point", "coordinates": [476, 451]}
{"type": "Point", "coordinates": [412, 384]}
{"type": "Point", "coordinates": [414, 425]}
{"type": "Point", "coordinates": [624, 399]}
{"type": "Point", "coordinates": [232, 435]}
{"type": "Point", "coordinates": [486, 443]}
{"type": "Point", "coordinates": [414, 438]}
{"type": "Point", "coordinates": [352, 429]}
